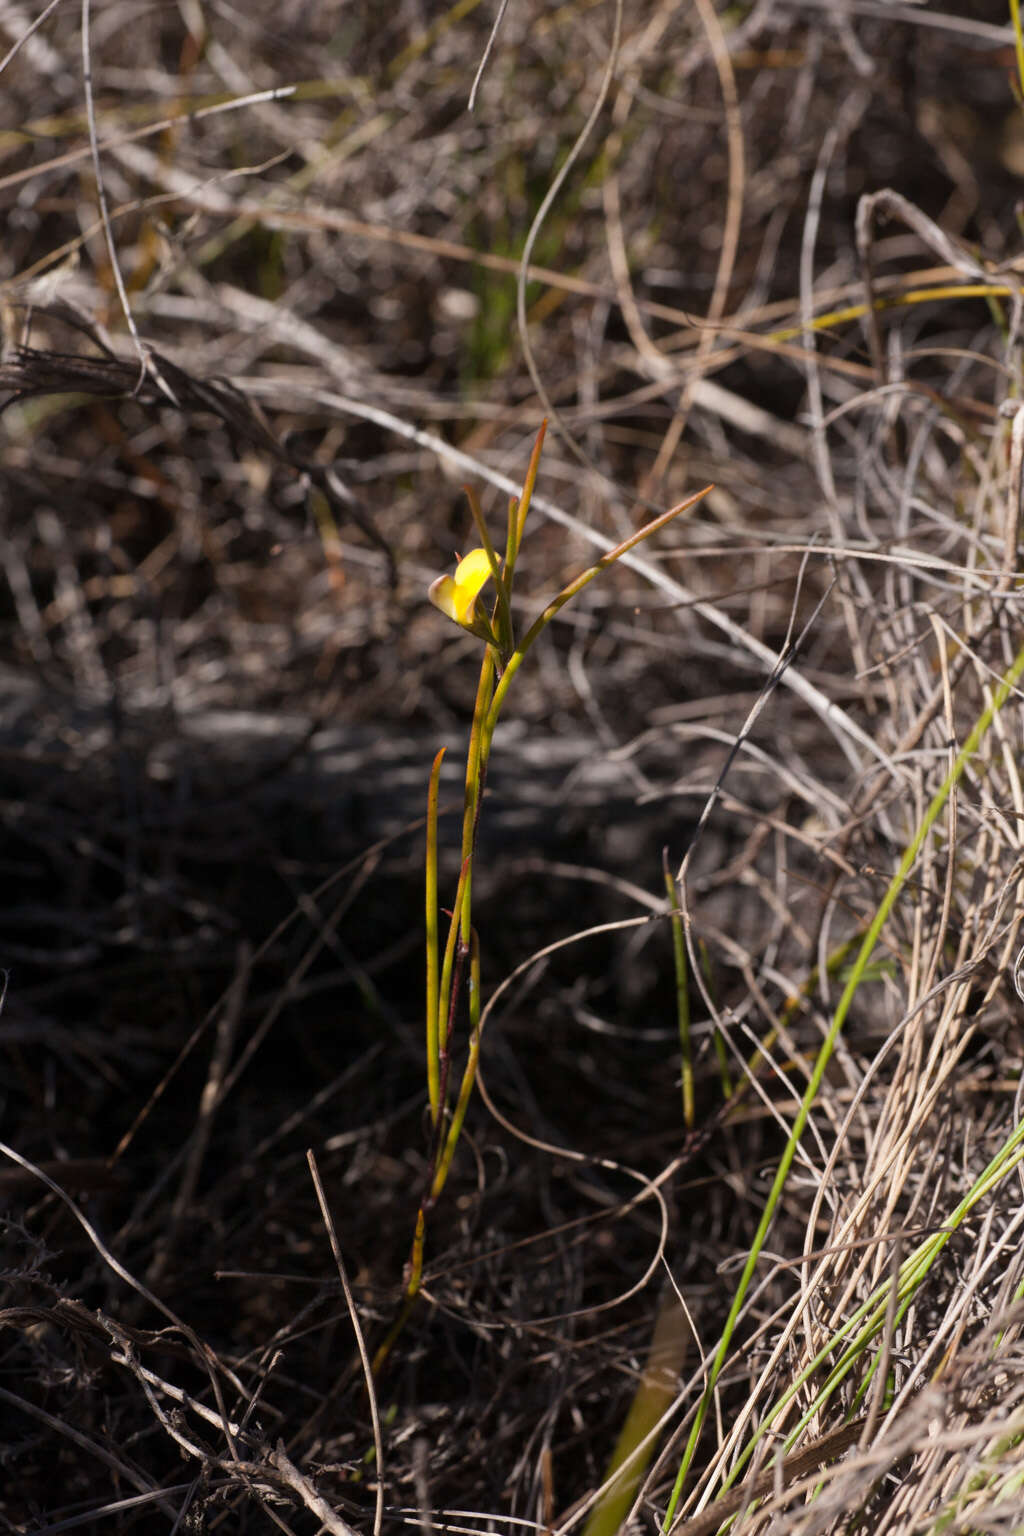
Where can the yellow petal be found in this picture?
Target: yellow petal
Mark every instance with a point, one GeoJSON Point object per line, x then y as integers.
{"type": "Point", "coordinates": [472, 571]}
{"type": "Point", "coordinates": [442, 594]}
{"type": "Point", "coordinates": [456, 596]}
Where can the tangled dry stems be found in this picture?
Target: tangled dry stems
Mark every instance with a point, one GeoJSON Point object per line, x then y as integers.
{"type": "Point", "coordinates": [212, 915]}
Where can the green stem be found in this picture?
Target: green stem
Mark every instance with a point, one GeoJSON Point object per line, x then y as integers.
{"type": "Point", "coordinates": [476, 761]}
{"type": "Point", "coordinates": [517, 518]}
{"type": "Point", "coordinates": [468, 1075]}
{"type": "Point", "coordinates": [433, 978]}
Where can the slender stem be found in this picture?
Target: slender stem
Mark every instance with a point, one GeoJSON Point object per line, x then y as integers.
{"type": "Point", "coordinates": [510, 536]}
{"type": "Point", "coordinates": [445, 1062]}
{"type": "Point", "coordinates": [468, 1075]}
{"type": "Point", "coordinates": [517, 520]}
{"type": "Point", "coordinates": [474, 758]}
{"type": "Point", "coordinates": [443, 993]}
{"type": "Point", "coordinates": [433, 977]}
{"type": "Point", "coordinates": [682, 994]}
{"type": "Point", "coordinates": [637, 1438]}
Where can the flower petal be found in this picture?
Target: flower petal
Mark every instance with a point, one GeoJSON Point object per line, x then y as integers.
{"type": "Point", "coordinates": [442, 594]}
{"type": "Point", "coordinates": [456, 595]}
{"type": "Point", "coordinates": [472, 571]}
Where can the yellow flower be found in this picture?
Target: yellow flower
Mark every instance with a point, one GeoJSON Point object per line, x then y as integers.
{"type": "Point", "coordinates": [457, 595]}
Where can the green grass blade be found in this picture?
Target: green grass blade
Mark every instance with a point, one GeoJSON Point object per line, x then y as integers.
{"type": "Point", "coordinates": [963, 758]}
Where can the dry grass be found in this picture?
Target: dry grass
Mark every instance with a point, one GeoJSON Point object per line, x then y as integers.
{"type": "Point", "coordinates": [221, 687]}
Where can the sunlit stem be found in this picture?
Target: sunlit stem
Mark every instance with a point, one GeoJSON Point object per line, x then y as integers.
{"type": "Point", "coordinates": [636, 1443]}
{"type": "Point", "coordinates": [476, 763]}
{"type": "Point", "coordinates": [510, 535]}
{"type": "Point", "coordinates": [469, 1072]}
{"type": "Point", "coordinates": [518, 516]}
{"type": "Point", "coordinates": [476, 773]}
{"type": "Point", "coordinates": [381, 1357]}
{"type": "Point", "coordinates": [416, 1261]}
{"type": "Point", "coordinates": [433, 975]}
